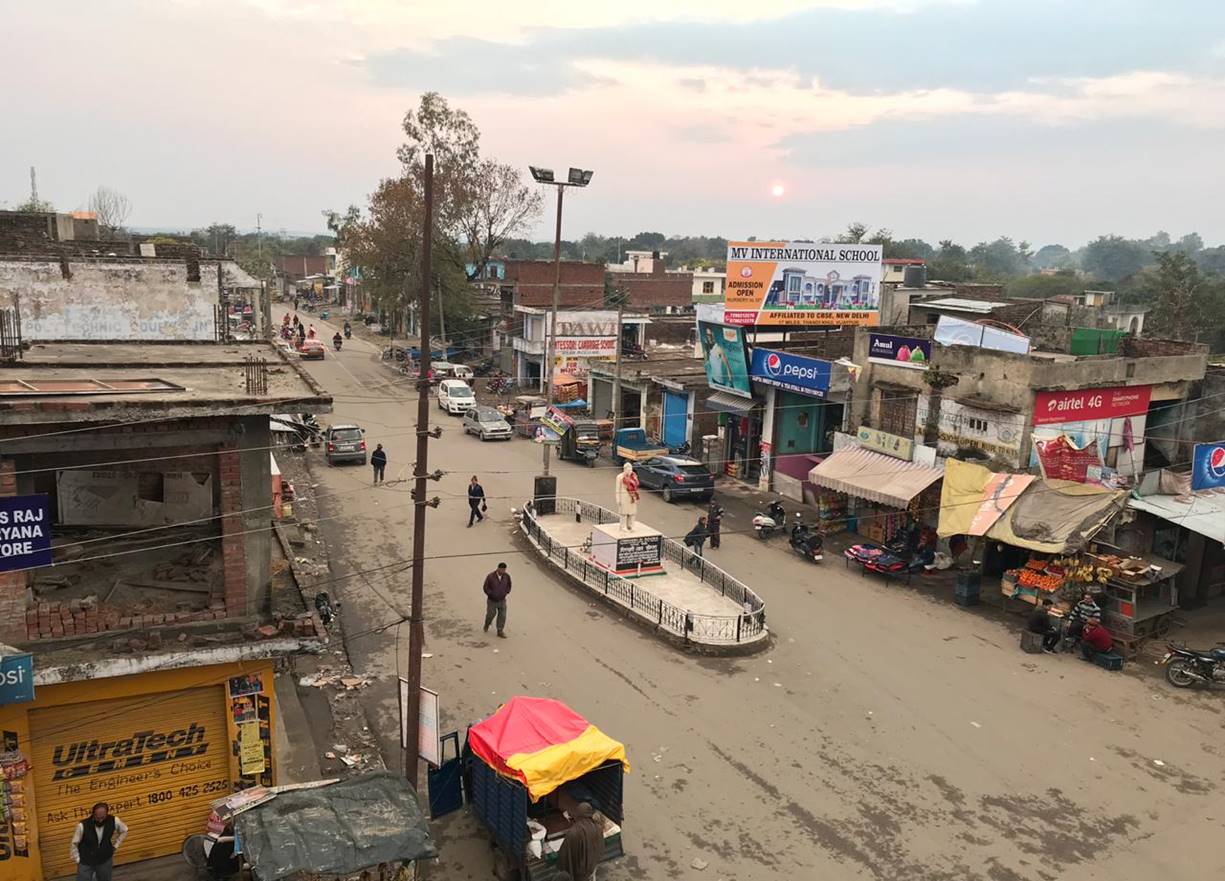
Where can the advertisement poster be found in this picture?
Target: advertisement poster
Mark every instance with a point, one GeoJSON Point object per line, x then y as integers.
{"type": "Point", "coordinates": [1061, 459]}
{"type": "Point", "coordinates": [795, 373]}
{"type": "Point", "coordinates": [801, 283]}
{"type": "Point", "coordinates": [899, 351]}
{"type": "Point", "coordinates": [726, 357]}
{"type": "Point", "coordinates": [1208, 466]}
{"type": "Point", "coordinates": [1086, 405]}
{"type": "Point", "coordinates": [889, 444]}
{"type": "Point", "coordinates": [250, 749]}
{"type": "Point", "coordinates": [428, 745]}
{"type": "Point", "coordinates": [249, 683]}
{"type": "Point", "coordinates": [25, 532]}
{"type": "Point", "coordinates": [16, 678]}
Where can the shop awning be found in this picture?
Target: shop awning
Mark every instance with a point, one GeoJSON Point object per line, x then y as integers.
{"type": "Point", "coordinates": [726, 402]}
{"type": "Point", "coordinates": [542, 743]}
{"type": "Point", "coordinates": [873, 476]}
{"type": "Point", "coordinates": [1057, 516]}
{"type": "Point", "coordinates": [1202, 513]}
{"type": "Point", "coordinates": [972, 497]}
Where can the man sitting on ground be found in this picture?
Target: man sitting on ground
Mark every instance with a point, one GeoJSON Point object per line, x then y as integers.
{"type": "Point", "coordinates": [1040, 622]}
{"type": "Point", "coordinates": [1095, 639]}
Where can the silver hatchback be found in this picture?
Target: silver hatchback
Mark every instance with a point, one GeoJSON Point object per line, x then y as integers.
{"type": "Point", "coordinates": [487, 424]}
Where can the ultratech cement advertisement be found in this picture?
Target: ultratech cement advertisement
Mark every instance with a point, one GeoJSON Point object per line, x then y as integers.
{"type": "Point", "coordinates": [797, 283]}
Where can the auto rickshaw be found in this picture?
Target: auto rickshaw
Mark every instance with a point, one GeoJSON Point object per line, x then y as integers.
{"type": "Point", "coordinates": [581, 441]}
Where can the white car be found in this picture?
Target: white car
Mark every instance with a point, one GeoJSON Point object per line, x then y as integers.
{"type": "Point", "coordinates": [447, 370]}
{"type": "Point", "coordinates": [455, 396]}
{"type": "Point", "coordinates": [487, 424]}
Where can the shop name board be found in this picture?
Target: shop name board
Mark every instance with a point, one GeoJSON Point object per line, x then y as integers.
{"type": "Point", "coordinates": [1207, 467]}
{"type": "Point", "coordinates": [899, 351]}
{"type": "Point", "coordinates": [586, 346]}
{"type": "Point", "coordinates": [1087, 405]}
{"type": "Point", "coordinates": [793, 283]}
{"type": "Point", "coordinates": [884, 442]}
{"type": "Point", "coordinates": [17, 679]}
{"type": "Point", "coordinates": [143, 748]}
{"type": "Point", "coordinates": [25, 532]}
{"type": "Point", "coordinates": [796, 373]}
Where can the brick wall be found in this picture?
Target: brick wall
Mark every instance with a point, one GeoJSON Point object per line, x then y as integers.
{"type": "Point", "coordinates": [13, 597]}
{"type": "Point", "coordinates": [1143, 347]}
{"type": "Point", "coordinates": [582, 284]}
{"type": "Point", "coordinates": [233, 546]}
{"type": "Point", "coordinates": [656, 290]}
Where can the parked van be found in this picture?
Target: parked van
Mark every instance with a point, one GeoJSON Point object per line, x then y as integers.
{"type": "Point", "coordinates": [455, 396]}
{"type": "Point", "coordinates": [447, 370]}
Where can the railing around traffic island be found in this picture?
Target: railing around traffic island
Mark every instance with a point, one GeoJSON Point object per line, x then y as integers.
{"type": "Point", "coordinates": [748, 626]}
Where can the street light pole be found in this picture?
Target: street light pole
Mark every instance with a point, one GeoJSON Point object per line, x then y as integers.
{"type": "Point", "coordinates": [550, 349]}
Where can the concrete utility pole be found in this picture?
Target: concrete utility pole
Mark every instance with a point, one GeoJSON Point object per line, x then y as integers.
{"type": "Point", "coordinates": [550, 349]}
{"type": "Point", "coordinates": [259, 239]}
{"type": "Point", "coordinates": [33, 186]}
{"type": "Point", "coordinates": [416, 630]}
{"type": "Point", "coordinates": [616, 401]}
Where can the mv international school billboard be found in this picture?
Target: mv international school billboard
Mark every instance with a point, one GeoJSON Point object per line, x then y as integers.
{"type": "Point", "coordinates": [802, 283]}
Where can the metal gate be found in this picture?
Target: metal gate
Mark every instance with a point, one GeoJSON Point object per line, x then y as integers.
{"type": "Point", "coordinates": [157, 760]}
{"type": "Point", "coordinates": [676, 418]}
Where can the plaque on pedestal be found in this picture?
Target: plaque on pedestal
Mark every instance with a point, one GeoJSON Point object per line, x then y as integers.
{"type": "Point", "coordinates": [628, 553]}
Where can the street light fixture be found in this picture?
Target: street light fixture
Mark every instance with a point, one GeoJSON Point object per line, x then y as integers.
{"type": "Point", "coordinates": [576, 177]}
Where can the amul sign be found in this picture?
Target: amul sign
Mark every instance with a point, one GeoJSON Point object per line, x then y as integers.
{"type": "Point", "coordinates": [1087, 405]}
{"type": "Point", "coordinates": [25, 532]}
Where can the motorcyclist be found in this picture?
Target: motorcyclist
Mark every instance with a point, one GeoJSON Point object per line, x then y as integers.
{"type": "Point", "coordinates": [337, 340]}
{"type": "Point", "coordinates": [348, 330]}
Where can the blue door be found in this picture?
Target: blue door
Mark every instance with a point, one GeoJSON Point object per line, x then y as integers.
{"type": "Point", "coordinates": [676, 423]}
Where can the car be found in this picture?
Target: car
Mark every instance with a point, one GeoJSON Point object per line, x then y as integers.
{"type": "Point", "coordinates": [312, 350]}
{"type": "Point", "coordinates": [345, 443]}
{"type": "Point", "coordinates": [487, 424]}
{"type": "Point", "coordinates": [676, 477]}
{"type": "Point", "coordinates": [447, 370]}
{"type": "Point", "coordinates": [455, 396]}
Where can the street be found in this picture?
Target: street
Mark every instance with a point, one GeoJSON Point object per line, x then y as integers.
{"type": "Point", "coordinates": [882, 735]}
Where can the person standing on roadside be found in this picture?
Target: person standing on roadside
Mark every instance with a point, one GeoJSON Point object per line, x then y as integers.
{"type": "Point", "coordinates": [497, 589]}
{"type": "Point", "coordinates": [476, 501]}
{"type": "Point", "coordinates": [696, 537]}
{"type": "Point", "coordinates": [714, 520]}
{"type": "Point", "coordinates": [378, 461]}
{"type": "Point", "coordinates": [94, 843]}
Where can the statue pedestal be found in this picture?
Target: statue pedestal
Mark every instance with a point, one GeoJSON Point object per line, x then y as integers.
{"type": "Point", "coordinates": [628, 553]}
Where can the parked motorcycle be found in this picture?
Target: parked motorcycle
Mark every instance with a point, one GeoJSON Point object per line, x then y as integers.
{"type": "Point", "coordinates": [1186, 667]}
{"type": "Point", "coordinates": [681, 450]}
{"type": "Point", "coordinates": [770, 521]}
{"type": "Point", "coordinates": [806, 541]}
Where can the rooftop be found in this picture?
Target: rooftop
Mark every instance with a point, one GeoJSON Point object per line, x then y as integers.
{"type": "Point", "coordinates": [959, 304]}
{"type": "Point", "coordinates": [62, 382]}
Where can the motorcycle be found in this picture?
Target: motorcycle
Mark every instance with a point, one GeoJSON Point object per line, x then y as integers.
{"type": "Point", "coordinates": [770, 521]}
{"type": "Point", "coordinates": [337, 341]}
{"type": "Point", "coordinates": [682, 450]}
{"type": "Point", "coordinates": [806, 541]}
{"type": "Point", "coordinates": [348, 330]}
{"type": "Point", "coordinates": [1186, 667]}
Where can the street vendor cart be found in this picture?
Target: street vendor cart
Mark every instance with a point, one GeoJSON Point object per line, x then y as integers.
{"type": "Point", "coordinates": [528, 767]}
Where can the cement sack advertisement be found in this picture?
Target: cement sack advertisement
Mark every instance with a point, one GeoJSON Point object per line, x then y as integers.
{"type": "Point", "coordinates": [795, 283]}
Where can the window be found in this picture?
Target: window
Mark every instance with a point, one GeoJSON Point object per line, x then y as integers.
{"type": "Point", "coordinates": [977, 425]}
{"type": "Point", "coordinates": [708, 287]}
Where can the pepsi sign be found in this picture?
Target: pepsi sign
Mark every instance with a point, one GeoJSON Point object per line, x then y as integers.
{"type": "Point", "coordinates": [795, 373]}
{"type": "Point", "coordinates": [1208, 466]}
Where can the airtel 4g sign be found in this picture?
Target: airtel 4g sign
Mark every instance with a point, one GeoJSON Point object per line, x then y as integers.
{"type": "Point", "coordinates": [795, 373]}
{"type": "Point", "coordinates": [1087, 405]}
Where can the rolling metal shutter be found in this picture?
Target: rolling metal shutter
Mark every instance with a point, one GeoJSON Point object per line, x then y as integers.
{"type": "Point", "coordinates": [676, 422]}
{"type": "Point", "coordinates": [158, 760]}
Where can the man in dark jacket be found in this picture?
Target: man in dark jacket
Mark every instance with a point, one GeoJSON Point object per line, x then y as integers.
{"type": "Point", "coordinates": [583, 847]}
{"type": "Point", "coordinates": [714, 520]}
{"type": "Point", "coordinates": [497, 588]}
{"type": "Point", "coordinates": [476, 501]}
{"type": "Point", "coordinates": [1040, 622]}
{"type": "Point", "coordinates": [94, 843]}
{"type": "Point", "coordinates": [696, 537]}
{"type": "Point", "coordinates": [378, 461]}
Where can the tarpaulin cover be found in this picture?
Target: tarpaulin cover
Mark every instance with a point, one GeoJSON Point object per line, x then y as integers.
{"type": "Point", "coordinates": [874, 476]}
{"type": "Point", "coordinates": [1057, 516]}
{"type": "Point", "coordinates": [335, 830]}
{"type": "Point", "coordinates": [972, 497]}
{"type": "Point", "coordinates": [542, 743]}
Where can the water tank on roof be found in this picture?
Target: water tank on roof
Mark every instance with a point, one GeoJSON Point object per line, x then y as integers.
{"type": "Point", "coordinates": [914, 276]}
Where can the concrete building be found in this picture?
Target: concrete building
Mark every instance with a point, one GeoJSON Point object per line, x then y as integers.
{"type": "Point", "coordinates": [650, 285]}
{"type": "Point", "coordinates": [584, 336]}
{"type": "Point", "coordinates": [709, 285]}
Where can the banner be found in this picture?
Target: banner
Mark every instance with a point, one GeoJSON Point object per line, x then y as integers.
{"type": "Point", "coordinates": [250, 749]}
{"type": "Point", "coordinates": [899, 351]}
{"type": "Point", "coordinates": [16, 678]}
{"type": "Point", "coordinates": [585, 346]}
{"type": "Point", "coordinates": [724, 351]}
{"type": "Point", "coordinates": [798, 283]}
{"type": "Point", "coordinates": [25, 532]}
{"type": "Point", "coordinates": [795, 373]}
{"type": "Point", "coordinates": [1060, 459]}
{"type": "Point", "coordinates": [1086, 405]}
{"type": "Point", "coordinates": [1208, 466]}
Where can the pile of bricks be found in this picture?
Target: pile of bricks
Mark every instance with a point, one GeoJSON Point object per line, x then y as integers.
{"type": "Point", "coordinates": [49, 620]}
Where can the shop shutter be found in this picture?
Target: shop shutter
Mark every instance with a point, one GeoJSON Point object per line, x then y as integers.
{"type": "Point", "coordinates": [158, 760]}
{"type": "Point", "coordinates": [676, 423]}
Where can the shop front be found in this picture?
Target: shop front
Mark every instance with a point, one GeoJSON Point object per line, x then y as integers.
{"type": "Point", "coordinates": [158, 747]}
{"type": "Point", "coordinates": [740, 423]}
{"type": "Point", "coordinates": [877, 495]}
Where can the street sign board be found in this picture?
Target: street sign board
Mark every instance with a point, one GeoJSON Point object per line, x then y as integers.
{"type": "Point", "coordinates": [25, 532]}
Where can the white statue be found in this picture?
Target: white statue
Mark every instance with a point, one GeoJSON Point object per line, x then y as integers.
{"type": "Point", "coordinates": [627, 496]}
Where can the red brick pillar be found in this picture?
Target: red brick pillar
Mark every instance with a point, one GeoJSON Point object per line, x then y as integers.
{"type": "Point", "coordinates": [13, 599]}
{"type": "Point", "coordinates": [233, 542]}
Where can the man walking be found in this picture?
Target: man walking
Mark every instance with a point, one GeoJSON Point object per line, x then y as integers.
{"type": "Point", "coordinates": [714, 520]}
{"type": "Point", "coordinates": [476, 501]}
{"type": "Point", "coordinates": [696, 537]}
{"type": "Point", "coordinates": [94, 843]}
{"type": "Point", "coordinates": [497, 588]}
{"type": "Point", "coordinates": [378, 461]}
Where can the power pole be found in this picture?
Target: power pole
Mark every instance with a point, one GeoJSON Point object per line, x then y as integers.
{"type": "Point", "coordinates": [259, 238]}
{"type": "Point", "coordinates": [416, 630]}
{"type": "Point", "coordinates": [442, 326]}
{"type": "Point", "coordinates": [617, 371]}
{"type": "Point", "coordinates": [33, 187]}
{"type": "Point", "coordinates": [549, 349]}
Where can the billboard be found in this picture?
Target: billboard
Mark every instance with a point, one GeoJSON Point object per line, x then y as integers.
{"type": "Point", "coordinates": [1086, 405]}
{"type": "Point", "coordinates": [725, 354]}
{"type": "Point", "coordinates": [795, 373]}
{"type": "Point", "coordinates": [899, 351]}
{"type": "Point", "coordinates": [1208, 466]}
{"type": "Point", "coordinates": [797, 283]}
{"type": "Point", "coordinates": [25, 532]}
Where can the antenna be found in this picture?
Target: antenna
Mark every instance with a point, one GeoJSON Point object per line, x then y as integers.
{"type": "Point", "coordinates": [33, 186]}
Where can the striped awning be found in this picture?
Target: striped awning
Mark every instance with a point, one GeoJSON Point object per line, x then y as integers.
{"type": "Point", "coordinates": [726, 402]}
{"type": "Point", "coordinates": [873, 476]}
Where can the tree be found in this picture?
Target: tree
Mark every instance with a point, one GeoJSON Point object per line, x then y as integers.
{"type": "Point", "coordinates": [647, 241]}
{"type": "Point", "coordinates": [1212, 259]}
{"type": "Point", "coordinates": [1179, 291]}
{"type": "Point", "coordinates": [111, 208]}
{"type": "Point", "coordinates": [1000, 260]}
{"type": "Point", "coordinates": [41, 206]}
{"type": "Point", "coordinates": [913, 249]}
{"type": "Point", "coordinates": [951, 263]}
{"type": "Point", "coordinates": [1112, 258]}
{"type": "Point", "coordinates": [1191, 244]}
{"type": "Point", "coordinates": [1040, 287]}
{"type": "Point", "coordinates": [1052, 257]}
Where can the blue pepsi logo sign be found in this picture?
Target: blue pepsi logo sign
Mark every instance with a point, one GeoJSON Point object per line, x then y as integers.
{"type": "Point", "coordinates": [797, 373]}
{"type": "Point", "coordinates": [1208, 466]}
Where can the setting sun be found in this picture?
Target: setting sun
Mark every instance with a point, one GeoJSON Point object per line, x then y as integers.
{"type": "Point", "coordinates": [777, 190]}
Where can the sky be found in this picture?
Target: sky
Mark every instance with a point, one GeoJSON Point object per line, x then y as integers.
{"type": "Point", "coordinates": [1043, 120]}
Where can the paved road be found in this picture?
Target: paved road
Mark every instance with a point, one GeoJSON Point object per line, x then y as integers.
{"type": "Point", "coordinates": [884, 735]}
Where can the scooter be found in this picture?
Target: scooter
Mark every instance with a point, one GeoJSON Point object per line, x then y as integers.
{"type": "Point", "coordinates": [348, 330]}
{"type": "Point", "coordinates": [773, 519]}
{"type": "Point", "coordinates": [806, 541]}
{"type": "Point", "coordinates": [337, 341]}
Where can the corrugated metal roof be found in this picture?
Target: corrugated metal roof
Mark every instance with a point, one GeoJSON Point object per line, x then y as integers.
{"type": "Point", "coordinates": [959, 304]}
